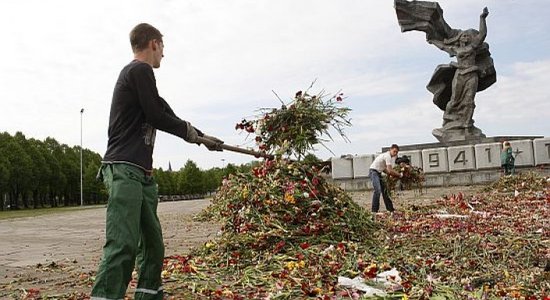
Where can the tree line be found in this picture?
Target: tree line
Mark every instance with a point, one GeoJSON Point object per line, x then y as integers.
{"type": "Point", "coordinates": [46, 173]}
{"type": "Point", "coordinates": [191, 180]}
{"type": "Point", "coordinates": [35, 174]}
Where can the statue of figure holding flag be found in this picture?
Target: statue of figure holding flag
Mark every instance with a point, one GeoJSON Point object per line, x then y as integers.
{"type": "Point", "coordinates": [454, 85]}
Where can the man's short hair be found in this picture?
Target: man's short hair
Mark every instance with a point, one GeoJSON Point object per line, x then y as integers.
{"type": "Point", "coordinates": [394, 146]}
{"type": "Point", "coordinates": [142, 34]}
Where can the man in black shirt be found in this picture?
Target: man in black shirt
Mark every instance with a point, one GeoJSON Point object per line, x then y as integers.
{"type": "Point", "coordinates": [137, 111]}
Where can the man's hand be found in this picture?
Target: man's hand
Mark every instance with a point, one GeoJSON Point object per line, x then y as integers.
{"type": "Point", "coordinates": [212, 143]}
{"type": "Point", "coordinates": [192, 134]}
{"type": "Point", "coordinates": [389, 170]}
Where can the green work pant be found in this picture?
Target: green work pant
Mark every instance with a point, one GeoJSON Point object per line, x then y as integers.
{"type": "Point", "coordinates": [131, 220]}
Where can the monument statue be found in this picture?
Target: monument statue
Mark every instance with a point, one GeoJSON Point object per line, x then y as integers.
{"type": "Point", "coordinates": [453, 85]}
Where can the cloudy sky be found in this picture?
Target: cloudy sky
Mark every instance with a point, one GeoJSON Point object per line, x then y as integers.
{"type": "Point", "coordinates": [223, 60]}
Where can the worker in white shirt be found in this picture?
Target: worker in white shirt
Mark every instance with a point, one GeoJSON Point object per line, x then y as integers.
{"type": "Point", "coordinates": [383, 163]}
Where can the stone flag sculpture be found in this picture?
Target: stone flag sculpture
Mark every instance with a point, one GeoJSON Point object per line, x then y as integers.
{"type": "Point", "coordinates": [453, 85]}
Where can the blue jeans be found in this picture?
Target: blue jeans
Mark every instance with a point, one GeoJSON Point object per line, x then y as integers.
{"type": "Point", "coordinates": [379, 188]}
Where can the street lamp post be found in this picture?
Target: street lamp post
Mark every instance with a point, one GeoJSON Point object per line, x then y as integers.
{"type": "Point", "coordinates": [81, 186]}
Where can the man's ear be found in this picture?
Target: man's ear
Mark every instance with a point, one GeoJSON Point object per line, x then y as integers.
{"type": "Point", "coordinates": [153, 45]}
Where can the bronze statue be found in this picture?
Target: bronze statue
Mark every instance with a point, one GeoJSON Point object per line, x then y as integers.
{"type": "Point", "coordinates": [454, 85]}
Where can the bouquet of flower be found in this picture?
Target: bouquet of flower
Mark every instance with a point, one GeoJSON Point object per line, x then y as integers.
{"type": "Point", "coordinates": [413, 178]}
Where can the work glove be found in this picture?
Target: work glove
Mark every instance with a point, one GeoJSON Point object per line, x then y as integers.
{"type": "Point", "coordinates": [192, 134]}
{"type": "Point", "coordinates": [212, 143]}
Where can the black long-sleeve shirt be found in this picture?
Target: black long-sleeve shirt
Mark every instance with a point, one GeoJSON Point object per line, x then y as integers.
{"type": "Point", "coordinates": [137, 111]}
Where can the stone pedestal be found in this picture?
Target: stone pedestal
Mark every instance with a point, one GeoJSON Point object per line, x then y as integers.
{"type": "Point", "coordinates": [471, 135]}
{"type": "Point", "coordinates": [452, 163]}
{"type": "Point", "coordinates": [493, 139]}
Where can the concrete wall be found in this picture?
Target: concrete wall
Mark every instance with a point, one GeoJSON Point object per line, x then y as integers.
{"type": "Point", "coordinates": [342, 168]}
{"type": "Point", "coordinates": [447, 166]}
{"type": "Point", "coordinates": [361, 165]}
{"type": "Point", "coordinates": [542, 151]}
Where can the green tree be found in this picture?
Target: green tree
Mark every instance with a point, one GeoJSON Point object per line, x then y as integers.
{"type": "Point", "coordinates": [4, 177]}
{"type": "Point", "coordinates": [20, 165]}
{"type": "Point", "coordinates": [93, 189]}
{"type": "Point", "coordinates": [40, 170]}
{"type": "Point", "coordinates": [311, 159]}
{"type": "Point", "coordinates": [33, 173]}
{"type": "Point", "coordinates": [57, 180]}
{"type": "Point", "coordinates": [246, 168]}
{"type": "Point", "coordinates": [212, 179]}
{"type": "Point", "coordinates": [161, 177]}
{"type": "Point", "coordinates": [191, 179]}
{"type": "Point", "coordinates": [70, 166]}
{"type": "Point", "coordinates": [230, 169]}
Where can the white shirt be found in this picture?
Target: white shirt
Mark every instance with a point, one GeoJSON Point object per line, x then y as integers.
{"type": "Point", "coordinates": [381, 161]}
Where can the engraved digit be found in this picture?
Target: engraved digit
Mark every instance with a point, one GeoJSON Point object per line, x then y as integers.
{"type": "Point", "coordinates": [433, 159]}
{"type": "Point", "coordinates": [488, 150]}
{"type": "Point", "coordinates": [461, 158]}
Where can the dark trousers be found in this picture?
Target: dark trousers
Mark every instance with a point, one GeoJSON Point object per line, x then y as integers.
{"type": "Point", "coordinates": [379, 188]}
{"type": "Point", "coordinates": [508, 169]}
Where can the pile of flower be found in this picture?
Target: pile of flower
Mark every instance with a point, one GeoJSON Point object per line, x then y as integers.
{"type": "Point", "coordinates": [491, 245]}
{"type": "Point", "coordinates": [283, 201]}
{"type": "Point", "coordinates": [488, 245]}
{"type": "Point", "coordinates": [286, 232]}
{"type": "Point", "coordinates": [527, 181]}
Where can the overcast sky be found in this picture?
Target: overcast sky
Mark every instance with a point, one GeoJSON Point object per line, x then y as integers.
{"type": "Point", "coordinates": [224, 58]}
